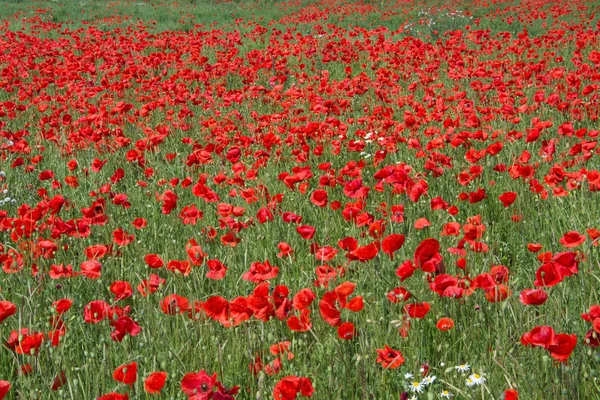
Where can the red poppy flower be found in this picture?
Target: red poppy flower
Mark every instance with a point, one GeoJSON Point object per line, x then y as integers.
{"type": "Point", "coordinates": [6, 310]}
{"type": "Point", "coordinates": [533, 297]}
{"type": "Point", "coordinates": [216, 270]}
{"type": "Point", "coordinates": [139, 223]}
{"type": "Point", "coordinates": [198, 385]}
{"type": "Point", "coordinates": [391, 244]}
{"type": "Point", "coordinates": [563, 347]}
{"type": "Point", "coordinates": [121, 290]}
{"type": "Point", "coordinates": [389, 358]}
{"type": "Point", "coordinates": [543, 336]}
{"type": "Point", "coordinates": [319, 198]}
{"type": "Point", "coordinates": [406, 270]}
{"type": "Point", "coordinates": [154, 261]}
{"type": "Point", "coordinates": [59, 380]}
{"type": "Point", "coordinates": [289, 387]}
{"type": "Point", "coordinates": [365, 253]}
{"type": "Point", "coordinates": [61, 306]}
{"type": "Point", "coordinates": [422, 223]}
{"type": "Point", "coordinates": [303, 299]}
{"type": "Point", "coordinates": [302, 323]}
{"type": "Point", "coordinates": [398, 294]}
{"type": "Point", "coordinates": [183, 267]}
{"type": "Point", "coordinates": [347, 331]}
{"type": "Point", "coordinates": [427, 255]}
{"type": "Point", "coordinates": [126, 373]}
{"type": "Point", "coordinates": [114, 396]}
{"type": "Point", "coordinates": [572, 239]}
{"type": "Point", "coordinates": [95, 311]}
{"type": "Point", "coordinates": [30, 344]}
{"type": "Point", "coordinates": [91, 269]}
{"type": "Point", "coordinates": [511, 394]}
{"type": "Point", "coordinates": [123, 326]}
{"type": "Point", "coordinates": [445, 324]}
{"type": "Point", "coordinates": [548, 275]}
{"type": "Point", "coordinates": [122, 238]}
{"type": "Point", "coordinates": [417, 310]}
{"type": "Point", "coordinates": [534, 247]}
{"type": "Point", "coordinates": [326, 253]}
{"type": "Point", "coordinates": [507, 198]}
{"type": "Point", "coordinates": [285, 250]}
{"type": "Point", "coordinates": [155, 382]}
{"type": "Point", "coordinates": [175, 304]}
{"type": "Point", "coordinates": [306, 231]}
{"type": "Point", "coordinates": [260, 272]}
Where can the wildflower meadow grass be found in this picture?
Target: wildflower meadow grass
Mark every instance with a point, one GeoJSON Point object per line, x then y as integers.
{"type": "Point", "coordinates": [320, 199]}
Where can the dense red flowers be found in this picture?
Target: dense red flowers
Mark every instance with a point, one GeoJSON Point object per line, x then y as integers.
{"type": "Point", "coordinates": [389, 358]}
{"type": "Point", "coordinates": [560, 345]}
{"type": "Point", "coordinates": [290, 387]}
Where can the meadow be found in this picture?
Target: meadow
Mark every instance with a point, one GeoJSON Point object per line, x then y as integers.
{"type": "Point", "coordinates": [322, 199]}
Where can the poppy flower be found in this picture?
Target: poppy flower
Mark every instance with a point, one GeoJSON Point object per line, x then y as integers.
{"type": "Point", "coordinates": [126, 373]}
{"type": "Point", "coordinates": [543, 336]}
{"type": "Point", "coordinates": [417, 310]}
{"type": "Point", "coordinates": [325, 253]}
{"type": "Point", "coordinates": [302, 323]}
{"type": "Point", "coordinates": [572, 239]}
{"type": "Point", "coordinates": [389, 358]}
{"type": "Point", "coordinates": [260, 272]}
{"type": "Point", "coordinates": [319, 198]}
{"type": "Point", "coordinates": [289, 387]}
{"type": "Point", "coordinates": [398, 294]}
{"type": "Point", "coordinates": [285, 250]}
{"type": "Point", "coordinates": [123, 326]}
{"type": "Point", "coordinates": [422, 223]}
{"type": "Point", "coordinates": [303, 299]}
{"type": "Point", "coordinates": [391, 244]}
{"type": "Point", "coordinates": [347, 331]}
{"type": "Point", "coordinates": [122, 238]}
{"type": "Point", "coordinates": [30, 344]}
{"type": "Point", "coordinates": [95, 311]}
{"type": "Point", "coordinates": [534, 247]}
{"type": "Point", "coordinates": [507, 198]}
{"type": "Point", "coordinates": [61, 306]}
{"type": "Point", "coordinates": [365, 253]}
{"type": "Point", "coordinates": [445, 324]}
{"type": "Point", "coordinates": [91, 269]}
{"type": "Point", "coordinates": [6, 310]}
{"type": "Point", "coordinates": [533, 297]}
{"type": "Point", "coordinates": [216, 270]}
{"type": "Point", "coordinates": [154, 261]}
{"type": "Point", "coordinates": [155, 382]}
{"type": "Point", "coordinates": [175, 304]}
{"type": "Point", "coordinates": [511, 394]}
{"type": "Point", "coordinates": [114, 396]}
{"type": "Point", "coordinates": [59, 380]}
{"type": "Point", "coordinates": [406, 270]}
{"type": "Point", "coordinates": [198, 385]}
{"type": "Point", "coordinates": [121, 290]}
{"type": "Point", "coordinates": [563, 347]}
{"type": "Point", "coordinates": [427, 256]}
{"type": "Point", "coordinates": [306, 231]}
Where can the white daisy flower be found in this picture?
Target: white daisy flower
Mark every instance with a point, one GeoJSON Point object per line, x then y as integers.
{"type": "Point", "coordinates": [463, 368]}
{"type": "Point", "coordinates": [428, 380]}
{"type": "Point", "coordinates": [416, 387]}
{"type": "Point", "coordinates": [446, 394]}
{"type": "Point", "coordinates": [408, 375]}
{"type": "Point", "coordinates": [477, 379]}
{"type": "Point", "coordinates": [470, 382]}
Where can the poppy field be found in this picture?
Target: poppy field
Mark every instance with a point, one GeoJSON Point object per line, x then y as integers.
{"type": "Point", "coordinates": [322, 199]}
